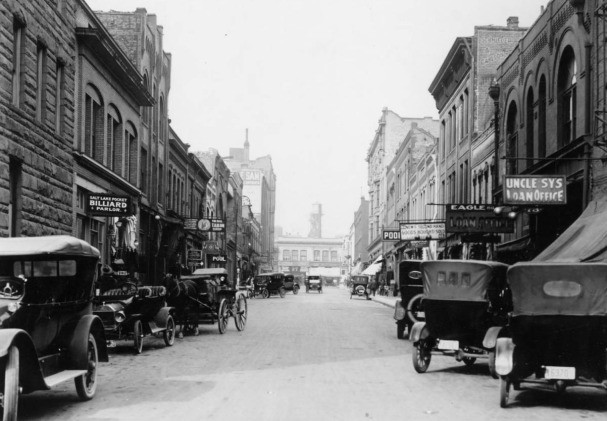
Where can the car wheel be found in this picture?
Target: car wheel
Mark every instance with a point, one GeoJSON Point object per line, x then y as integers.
{"type": "Point", "coordinates": [222, 317]}
{"type": "Point", "coordinates": [169, 333]}
{"type": "Point", "coordinates": [138, 336]}
{"type": "Point", "coordinates": [265, 293]}
{"type": "Point", "coordinates": [492, 365]}
{"type": "Point", "coordinates": [421, 356]}
{"type": "Point", "coordinates": [86, 385]}
{"type": "Point", "coordinates": [400, 329]}
{"type": "Point", "coordinates": [10, 401]}
{"type": "Point", "coordinates": [281, 292]}
{"type": "Point", "coordinates": [295, 290]}
{"type": "Point", "coordinates": [240, 318]}
{"type": "Point", "coordinates": [504, 391]}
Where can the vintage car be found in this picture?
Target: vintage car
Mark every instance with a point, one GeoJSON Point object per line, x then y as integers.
{"type": "Point", "coordinates": [558, 327]}
{"type": "Point", "coordinates": [314, 283]}
{"type": "Point", "coordinates": [48, 332]}
{"type": "Point", "coordinates": [272, 283]}
{"type": "Point", "coordinates": [408, 309]}
{"type": "Point", "coordinates": [291, 283]}
{"type": "Point", "coordinates": [466, 305]}
{"type": "Point", "coordinates": [359, 286]}
{"type": "Point", "coordinates": [216, 300]}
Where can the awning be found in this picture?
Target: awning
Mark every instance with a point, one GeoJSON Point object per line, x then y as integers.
{"type": "Point", "coordinates": [357, 269]}
{"type": "Point", "coordinates": [584, 241]}
{"type": "Point", "coordinates": [374, 267]}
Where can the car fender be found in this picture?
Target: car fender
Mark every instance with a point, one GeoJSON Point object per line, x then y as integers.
{"type": "Point", "coordinates": [491, 337]}
{"type": "Point", "coordinates": [504, 356]}
{"type": "Point", "coordinates": [30, 372]}
{"type": "Point", "coordinates": [399, 310]}
{"type": "Point", "coordinates": [79, 341]}
{"type": "Point", "coordinates": [161, 317]}
{"type": "Point", "coordinates": [418, 331]}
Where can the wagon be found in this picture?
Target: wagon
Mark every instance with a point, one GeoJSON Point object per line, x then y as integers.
{"type": "Point", "coordinates": [48, 333]}
{"type": "Point", "coordinates": [216, 300]}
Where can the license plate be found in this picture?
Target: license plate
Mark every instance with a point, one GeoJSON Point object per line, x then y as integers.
{"type": "Point", "coordinates": [560, 373]}
{"type": "Point", "coordinates": [448, 345]}
{"type": "Point", "coordinates": [121, 272]}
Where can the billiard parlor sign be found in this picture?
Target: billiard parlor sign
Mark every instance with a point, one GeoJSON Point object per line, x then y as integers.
{"type": "Point", "coordinates": [108, 205]}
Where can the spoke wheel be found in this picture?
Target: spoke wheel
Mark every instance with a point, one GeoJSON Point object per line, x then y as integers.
{"type": "Point", "coordinates": [169, 333]}
{"type": "Point", "coordinates": [86, 385]}
{"type": "Point", "coordinates": [138, 336]}
{"type": "Point", "coordinates": [421, 356]}
{"type": "Point", "coordinates": [240, 317]}
{"type": "Point", "coordinates": [222, 317]}
{"type": "Point", "coordinates": [265, 293]}
{"type": "Point", "coordinates": [10, 400]}
{"type": "Point", "coordinates": [504, 392]}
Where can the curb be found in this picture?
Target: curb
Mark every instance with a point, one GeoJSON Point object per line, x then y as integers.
{"type": "Point", "coordinates": [385, 303]}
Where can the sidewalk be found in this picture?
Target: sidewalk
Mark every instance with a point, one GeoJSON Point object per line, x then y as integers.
{"type": "Point", "coordinates": [389, 301]}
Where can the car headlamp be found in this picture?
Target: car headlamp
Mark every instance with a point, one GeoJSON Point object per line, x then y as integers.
{"type": "Point", "coordinates": [119, 316]}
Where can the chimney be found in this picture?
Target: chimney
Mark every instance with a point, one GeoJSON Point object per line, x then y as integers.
{"type": "Point", "coordinates": [541, 9]}
{"type": "Point", "coordinates": [512, 22]}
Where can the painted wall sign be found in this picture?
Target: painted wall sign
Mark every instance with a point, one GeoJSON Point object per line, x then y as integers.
{"type": "Point", "coordinates": [391, 235]}
{"type": "Point", "coordinates": [476, 218]}
{"type": "Point", "coordinates": [190, 224]}
{"type": "Point", "coordinates": [422, 231]}
{"type": "Point", "coordinates": [535, 190]}
{"type": "Point", "coordinates": [211, 225]}
{"type": "Point", "coordinates": [108, 205]}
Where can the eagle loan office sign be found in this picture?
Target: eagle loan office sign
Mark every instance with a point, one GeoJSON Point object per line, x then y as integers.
{"type": "Point", "coordinates": [476, 218]}
{"type": "Point", "coordinates": [108, 205]}
{"type": "Point", "coordinates": [535, 190]}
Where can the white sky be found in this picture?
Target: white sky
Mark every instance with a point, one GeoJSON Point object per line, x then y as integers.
{"type": "Point", "coordinates": [309, 79]}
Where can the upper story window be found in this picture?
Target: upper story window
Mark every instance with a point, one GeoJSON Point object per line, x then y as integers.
{"type": "Point", "coordinates": [541, 119]}
{"type": "Point", "coordinates": [530, 127]}
{"type": "Point", "coordinates": [511, 139]}
{"type": "Point", "coordinates": [93, 124]}
{"type": "Point", "coordinates": [286, 255]}
{"type": "Point", "coordinates": [40, 82]}
{"type": "Point", "coordinates": [567, 106]}
{"type": "Point", "coordinates": [130, 151]}
{"type": "Point", "coordinates": [303, 255]}
{"type": "Point", "coordinates": [59, 93]}
{"type": "Point", "coordinates": [325, 255]}
{"type": "Point", "coordinates": [333, 256]}
{"type": "Point", "coordinates": [295, 255]}
{"type": "Point", "coordinates": [317, 255]}
{"type": "Point", "coordinates": [114, 140]}
{"type": "Point", "coordinates": [17, 61]}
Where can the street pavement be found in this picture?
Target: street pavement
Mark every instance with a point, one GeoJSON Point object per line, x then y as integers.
{"type": "Point", "coordinates": [305, 357]}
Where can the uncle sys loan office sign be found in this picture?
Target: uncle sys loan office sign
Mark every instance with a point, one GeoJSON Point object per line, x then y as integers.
{"type": "Point", "coordinates": [535, 190]}
{"type": "Point", "coordinates": [108, 205]}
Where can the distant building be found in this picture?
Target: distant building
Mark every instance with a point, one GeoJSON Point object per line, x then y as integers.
{"type": "Point", "coordinates": [298, 254]}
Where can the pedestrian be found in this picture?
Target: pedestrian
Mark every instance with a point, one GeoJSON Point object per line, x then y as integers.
{"type": "Point", "coordinates": [373, 285]}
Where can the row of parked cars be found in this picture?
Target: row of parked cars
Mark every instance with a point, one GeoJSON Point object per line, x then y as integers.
{"type": "Point", "coordinates": [56, 314]}
{"type": "Point", "coordinates": [265, 285]}
{"type": "Point", "coordinates": [534, 322]}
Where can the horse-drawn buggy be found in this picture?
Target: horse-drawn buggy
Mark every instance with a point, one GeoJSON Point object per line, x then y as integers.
{"type": "Point", "coordinates": [206, 296]}
{"type": "Point", "coordinates": [466, 305]}
{"type": "Point", "coordinates": [131, 312]}
{"type": "Point", "coordinates": [267, 284]}
{"type": "Point", "coordinates": [48, 333]}
{"type": "Point", "coordinates": [558, 328]}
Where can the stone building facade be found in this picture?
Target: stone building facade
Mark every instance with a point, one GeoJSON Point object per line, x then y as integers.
{"type": "Point", "coordinates": [37, 111]}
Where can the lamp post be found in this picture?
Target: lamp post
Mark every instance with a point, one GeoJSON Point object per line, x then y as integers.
{"type": "Point", "coordinates": [494, 93]}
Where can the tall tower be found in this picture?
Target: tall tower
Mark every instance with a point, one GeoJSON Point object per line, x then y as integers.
{"type": "Point", "coordinates": [316, 221]}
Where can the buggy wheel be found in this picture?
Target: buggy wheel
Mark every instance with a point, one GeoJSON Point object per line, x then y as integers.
{"type": "Point", "coordinates": [265, 293]}
{"type": "Point", "coordinates": [138, 336]}
{"type": "Point", "coordinates": [86, 385]}
{"type": "Point", "coordinates": [492, 365]}
{"type": "Point", "coordinates": [281, 292]}
{"type": "Point", "coordinates": [400, 329]}
{"type": "Point", "coordinates": [169, 333]}
{"type": "Point", "coordinates": [240, 317]}
{"type": "Point", "coordinates": [10, 401]}
{"type": "Point", "coordinates": [421, 356]}
{"type": "Point", "coordinates": [504, 391]}
{"type": "Point", "coordinates": [469, 361]}
{"type": "Point", "coordinates": [222, 316]}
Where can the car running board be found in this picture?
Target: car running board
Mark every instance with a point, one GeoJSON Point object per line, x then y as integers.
{"type": "Point", "coordinates": [62, 376]}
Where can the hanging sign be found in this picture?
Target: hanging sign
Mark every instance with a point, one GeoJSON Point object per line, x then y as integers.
{"type": "Point", "coordinates": [211, 225]}
{"type": "Point", "coordinates": [535, 190]}
{"type": "Point", "coordinates": [194, 255]}
{"type": "Point", "coordinates": [391, 235]}
{"type": "Point", "coordinates": [476, 218]}
{"type": "Point", "coordinates": [422, 231]}
{"type": "Point", "coordinates": [108, 205]}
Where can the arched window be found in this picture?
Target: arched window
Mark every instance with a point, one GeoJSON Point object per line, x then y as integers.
{"type": "Point", "coordinates": [511, 139]}
{"type": "Point", "coordinates": [566, 89]}
{"type": "Point", "coordinates": [93, 124]}
{"type": "Point", "coordinates": [115, 146]}
{"type": "Point", "coordinates": [541, 123]}
{"type": "Point", "coordinates": [530, 127]}
{"type": "Point", "coordinates": [130, 153]}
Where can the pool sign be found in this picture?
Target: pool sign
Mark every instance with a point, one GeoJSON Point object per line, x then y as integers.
{"type": "Point", "coordinates": [535, 190]}
{"type": "Point", "coordinates": [391, 235]}
{"type": "Point", "coordinates": [108, 205]}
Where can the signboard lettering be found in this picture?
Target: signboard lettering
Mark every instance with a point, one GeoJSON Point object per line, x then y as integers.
{"type": "Point", "coordinates": [190, 224]}
{"type": "Point", "coordinates": [391, 235]}
{"type": "Point", "coordinates": [219, 258]}
{"type": "Point", "coordinates": [476, 218]}
{"type": "Point", "coordinates": [535, 190]}
{"type": "Point", "coordinates": [108, 205]}
{"type": "Point", "coordinates": [422, 231]}
{"type": "Point", "coordinates": [211, 225]}
{"type": "Point", "coordinates": [194, 255]}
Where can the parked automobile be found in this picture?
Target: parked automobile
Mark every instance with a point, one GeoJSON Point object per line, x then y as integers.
{"type": "Point", "coordinates": [466, 305]}
{"type": "Point", "coordinates": [314, 283]}
{"type": "Point", "coordinates": [408, 309]}
{"type": "Point", "coordinates": [48, 332]}
{"type": "Point", "coordinates": [272, 283]}
{"type": "Point", "coordinates": [359, 286]}
{"type": "Point", "coordinates": [558, 328]}
{"type": "Point", "coordinates": [291, 283]}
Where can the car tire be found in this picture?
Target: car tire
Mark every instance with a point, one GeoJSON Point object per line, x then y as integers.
{"type": "Point", "coordinates": [86, 385]}
{"type": "Point", "coordinates": [11, 385]}
{"type": "Point", "coordinates": [400, 329]}
{"type": "Point", "coordinates": [138, 336]}
{"type": "Point", "coordinates": [421, 356]}
{"type": "Point", "coordinates": [281, 292]}
{"type": "Point", "coordinates": [295, 290]}
{"type": "Point", "coordinates": [265, 293]}
{"type": "Point", "coordinates": [504, 392]}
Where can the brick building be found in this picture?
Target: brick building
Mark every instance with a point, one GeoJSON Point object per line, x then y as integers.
{"type": "Point", "coordinates": [37, 111]}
